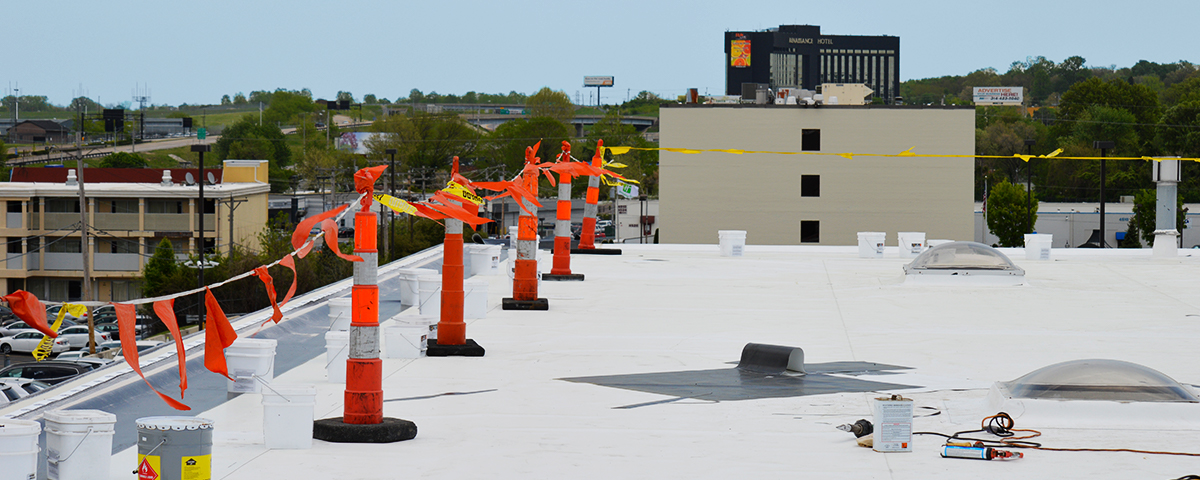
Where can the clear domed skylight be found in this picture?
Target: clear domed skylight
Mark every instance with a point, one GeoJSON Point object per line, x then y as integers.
{"type": "Point", "coordinates": [1099, 379]}
{"type": "Point", "coordinates": [962, 258]}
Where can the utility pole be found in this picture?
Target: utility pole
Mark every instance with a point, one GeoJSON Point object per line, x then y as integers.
{"type": "Point", "coordinates": [388, 245]}
{"type": "Point", "coordinates": [83, 239]}
{"type": "Point", "coordinates": [200, 149]}
{"type": "Point", "coordinates": [232, 205]}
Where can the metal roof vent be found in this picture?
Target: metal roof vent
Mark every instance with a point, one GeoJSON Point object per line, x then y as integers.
{"type": "Point", "coordinates": [166, 178]}
{"type": "Point", "coordinates": [1097, 379]}
{"type": "Point", "coordinates": [72, 180]}
{"type": "Point", "coordinates": [965, 259]}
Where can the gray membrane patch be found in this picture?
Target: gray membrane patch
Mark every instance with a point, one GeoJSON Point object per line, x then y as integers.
{"type": "Point", "coordinates": [730, 384]}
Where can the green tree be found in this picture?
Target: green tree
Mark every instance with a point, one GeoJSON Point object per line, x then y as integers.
{"type": "Point", "coordinates": [1144, 221]}
{"type": "Point", "coordinates": [1007, 217]}
{"type": "Point", "coordinates": [123, 160]}
{"type": "Point", "coordinates": [287, 106]}
{"type": "Point", "coordinates": [347, 96]}
{"type": "Point", "coordinates": [239, 99]}
{"type": "Point", "coordinates": [159, 269]}
{"type": "Point", "coordinates": [1179, 129]}
{"type": "Point", "coordinates": [225, 100]}
{"type": "Point", "coordinates": [551, 104]}
{"type": "Point", "coordinates": [641, 165]}
{"type": "Point", "coordinates": [247, 140]}
{"type": "Point", "coordinates": [506, 146]}
{"type": "Point", "coordinates": [370, 98]}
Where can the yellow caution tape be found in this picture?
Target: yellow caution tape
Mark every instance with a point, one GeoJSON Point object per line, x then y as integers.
{"type": "Point", "coordinates": [906, 153]}
{"type": "Point", "coordinates": [455, 189]}
{"type": "Point", "coordinates": [45, 347]}
{"type": "Point", "coordinates": [396, 204]}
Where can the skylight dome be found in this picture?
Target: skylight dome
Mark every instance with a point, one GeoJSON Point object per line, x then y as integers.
{"type": "Point", "coordinates": [1098, 379]}
{"type": "Point", "coordinates": [963, 258]}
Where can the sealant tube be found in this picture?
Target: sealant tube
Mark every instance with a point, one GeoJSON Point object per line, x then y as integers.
{"type": "Point", "coordinates": [977, 453]}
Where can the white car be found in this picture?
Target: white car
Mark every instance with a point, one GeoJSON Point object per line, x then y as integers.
{"type": "Point", "coordinates": [77, 336]}
{"type": "Point", "coordinates": [22, 387]}
{"type": "Point", "coordinates": [26, 342]}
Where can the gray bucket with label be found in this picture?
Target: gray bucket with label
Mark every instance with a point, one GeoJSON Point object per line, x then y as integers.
{"type": "Point", "coordinates": [174, 448]}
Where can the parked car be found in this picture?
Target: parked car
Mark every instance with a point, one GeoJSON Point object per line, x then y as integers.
{"type": "Point", "coordinates": [15, 327]}
{"type": "Point", "coordinates": [24, 387]}
{"type": "Point", "coordinates": [52, 372]}
{"type": "Point", "coordinates": [111, 328]}
{"type": "Point", "coordinates": [77, 336]}
{"type": "Point", "coordinates": [142, 345]}
{"type": "Point", "coordinates": [27, 341]}
{"type": "Point", "coordinates": [79, 358]}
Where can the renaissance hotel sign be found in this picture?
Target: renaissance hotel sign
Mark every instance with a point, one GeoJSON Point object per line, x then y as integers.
{"type": "Point", "coordinates": [998, 95]}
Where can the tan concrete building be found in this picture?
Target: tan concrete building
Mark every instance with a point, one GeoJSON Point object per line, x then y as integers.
{"type": "Point", "coordinates": [129, 211]}
{"type": "Point", "coordinates": [817, 199]}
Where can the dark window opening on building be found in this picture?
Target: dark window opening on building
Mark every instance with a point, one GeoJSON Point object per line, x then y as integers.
{"type": "Point", "coordinates": [74, 290]}
{"type": "Point", "coordinates": [810, 185]}
{"type": "Point", "coordinates": [810, 231]}
{"type": "Point", "coordinates": [810, 140]}
{"type": "Point", "coordinates": [210, 206]}
{"type": "Point", "coordinates": [210, 246]}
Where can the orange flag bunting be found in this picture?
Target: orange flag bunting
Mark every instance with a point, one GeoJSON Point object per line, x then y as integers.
{"type": "Point", "coordinates": [330, 229]}
{"type": "Point", "coordinates": [289, 262]}
{"type": "Point", "coordinates": [126, 317]}
{"type": "Point", "coordinates": [28, 308]}
{"type": "Point", "coordinates": [364, 182]}
{"type": "Point", "coordinates": [218, 335]}
{"type": "Point", "coordinates": [261, 273]}
{"type": "Point", "coordinates": [306, 225]}
{"type": "Point", "coordinates": [166, 312]}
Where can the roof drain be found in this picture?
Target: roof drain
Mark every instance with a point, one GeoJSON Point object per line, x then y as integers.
{"type": "Point", "coordinates": [771, 359]}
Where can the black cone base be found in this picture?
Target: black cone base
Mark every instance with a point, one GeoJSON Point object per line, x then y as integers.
{"type": "Point", "coordinates": [570, 277]}
{"type": "Point", "coordinates": [514, 304]}
{"type": "Point", "coordinates": [391, 430]}
{"type": "Point", "coordinates": [467, 349]}
{"type": "Point", "coordinates": [595, 251]}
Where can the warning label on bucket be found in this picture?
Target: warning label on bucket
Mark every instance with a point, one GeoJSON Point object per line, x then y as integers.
{"type": "Point", "coordinates": [196, 468]}
{"type": "Point", "coordinates": [148, 467]}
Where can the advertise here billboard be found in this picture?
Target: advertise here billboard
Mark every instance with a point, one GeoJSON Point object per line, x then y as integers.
{"type": "Point", "coordinates": [998, 95]}
{"type": "Point", "coordinates": [598, 81]}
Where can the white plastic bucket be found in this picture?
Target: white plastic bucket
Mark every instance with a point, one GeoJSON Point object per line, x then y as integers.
{"type": "Point", "coordinates": [78, 443]}
{"type": "Point", "coordinates": [485, 259]}
{"type": "Point", "coordinates": [431, 295]}
{"type": "Point", "coordinates": [911, 243]}
{"type": "Point", "coordinates": [247, 359]}
{"type": "Point", "coordinates": [870, 244]}
{"type": "Point", "coordinates": [409, 290]}
{"type": "Point", "coordinates": [19, 448]}
{"type": "Point", "coordinates": [288, 416]}
{"type": "Point", "coordinates": [405, 340]}
{"type": "Point", "coordinates": [475, 295]}
{"type": "Point", "coordinates": [733, 242]}
{"type": "Point", "coordinates": [429, 323]}
{"type": "Point", "coordinates": [339, 313]}
{"type": "Point", "coordinates": [1037, 246]}
{"type": "Point", "coordinates": [336, 353]}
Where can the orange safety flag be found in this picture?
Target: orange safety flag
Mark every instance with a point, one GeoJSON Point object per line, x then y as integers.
{"type": "Point", "coordinates": [218, 335]}
{"type": "Point", "coordinates": [306, 225]}
{"type": "Point", "coordinates": [580, 169]}
{"type": "Point", "coordinates": [261, 273]}
{"type": "Point", "coordinates": [457, 212]}
{"type": "Point", "coordinates": [459, 179]}
{"type": "Point", "coordinates": [28, 308]}
{"type": "Point", "coordinates": [126, 318]}
{"type": "Point", "coordinates": [423, 210]}
{"type": "Point", "coordinates": [330, 229]}
{"type": "Point", "coordinates": [364, 182]}
{"type": "Point", "coordinates": [289, 262]}
{"type": "Point", "coordinates": [510, 189]}
{"type": "Point", "coordinates": [166, 312]}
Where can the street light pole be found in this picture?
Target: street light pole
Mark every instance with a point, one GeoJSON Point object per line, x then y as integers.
{"type": "Point", "coordinates": [391, 214]}
{"type": "Point", "coordinates": [1103, 146]}
{"type": "Point", "coordinates": [1029, 184]}
{"type": "Point", "coordinates": [200, 149]}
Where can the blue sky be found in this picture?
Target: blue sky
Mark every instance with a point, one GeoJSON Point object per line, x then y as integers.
{"type": "Point", "coordinates": [194, 52]}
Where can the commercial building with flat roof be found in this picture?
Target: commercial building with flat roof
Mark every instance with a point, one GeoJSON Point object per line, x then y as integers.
{"type": "Point", "coordinates": [130, 211]}
{"type": "Point", "coordinates": [815, 199]}
{"type": "Point", "coordinates": [799, 56]}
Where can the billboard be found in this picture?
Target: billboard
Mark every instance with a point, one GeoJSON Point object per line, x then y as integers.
{"type": "Point", "coordinates": [739, 53]}
{"type": "Point", "coordinates": [598, 81]}
{"type": "Point", "coordinates": [998, 95]}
